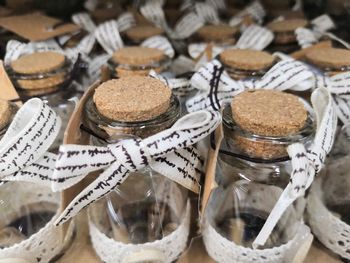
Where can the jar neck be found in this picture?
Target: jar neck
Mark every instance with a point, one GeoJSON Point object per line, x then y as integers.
{"type": "Point", "coordinates": [110, 131]}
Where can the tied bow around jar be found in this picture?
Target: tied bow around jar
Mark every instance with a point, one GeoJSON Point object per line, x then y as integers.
{"type": "Point", "coordinates": [26, 170]}
{"type": "Point", "coordinates": [168, 153]}
{"type": "Point", "coordinates": [219, 89]}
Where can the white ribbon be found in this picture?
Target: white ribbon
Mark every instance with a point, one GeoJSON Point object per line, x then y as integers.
{"type": "Point", "coordinates": [169, 153]}
{"type": "Point", "coordinates": [255, 10]}
{"type": "Point", "coordinates": [208, 13]}
{"type": "Point", "coordinates": [321, 25]}
{"type": "Point", "coordinates": [23, 160]}
{"type": "Point", "coordinates": [305, 163]}
{"type": "Point", "coordinates": [218, 88]}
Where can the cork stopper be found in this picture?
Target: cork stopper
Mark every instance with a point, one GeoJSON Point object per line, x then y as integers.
{"type": "Point", "coordinates": [247, 59]}
{"type": "Point", "coordinates": [132, 98]}
{"type": "Point", "coordinates": [329, 57]}
{"type": "Point", "coordinates": [269, 112]}
{"type": "Point", "coordinates": [5, 113]}
{"type": "Point", "coordinates": [40, 62]}
{"type": "Point", "coordinates": [217, 33]}
{"type": "Point", "coordinates": [137, 56]}
{"type": "Point", "coordinates": [288, 25]}
{"type": "Point", "coordinates": [141, 32]}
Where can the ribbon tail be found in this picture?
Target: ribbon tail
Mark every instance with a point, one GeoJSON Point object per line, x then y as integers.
{"type": "Point", "coordinates": [183, 166]}
{"type": "Point", "coordinates": [281, 206]}
{"type": "Point", "coordinates": [111, 178]}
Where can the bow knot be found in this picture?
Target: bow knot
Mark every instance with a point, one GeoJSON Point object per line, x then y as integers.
{"type": "Point", "coordinates": [131, 153]}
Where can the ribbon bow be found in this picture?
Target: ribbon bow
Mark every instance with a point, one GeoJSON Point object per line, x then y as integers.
{"type": "Point", "coordinates": [23, 149]}
{"type": "Point", "coordinates": [169, 153]}
{"type": "Point", "coordinates": [217, 88]}
{"type": "Point", "coordinates": [306, 163]}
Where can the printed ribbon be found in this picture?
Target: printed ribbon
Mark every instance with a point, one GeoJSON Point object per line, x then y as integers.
{"type": "Point", "coordinates": [306, 163]}
{"type": "Point", "coordinates": [321, 25]}
{"type": "Point", "coordinates": [217, 88]}
{"type": "Point", "coordinates": [23, 149]}
{"type": "Point", "coordinates": [169, 153]}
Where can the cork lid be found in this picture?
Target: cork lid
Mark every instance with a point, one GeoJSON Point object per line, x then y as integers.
{"type": "Point", "coordinates": [5, 113]}
{"type": "Point", "coordinates": [141, 32]}
{"type": "Point", "coordinates": [287, 25]}
{"type": "Point", "coordinates": [247, 59]}
{"type": "Point", "coordinates": [329, 57]}
{"type": "Point", "coordinates": [40, 62]}
{"type": "Point", "coordinates": [217, 32]}
{"type": "Point", "coordinates": [269, 112]}
{"type": "Point", "coordinates": [137, 56]}
{"type": "Point", "coordinates": [132, 98]}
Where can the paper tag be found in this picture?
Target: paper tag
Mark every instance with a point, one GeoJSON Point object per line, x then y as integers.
{"type": "Point", "coordinates": [323, 23]}
{"type": "Point", "coordinates": [37, 27]}
{"type": "Point", "coordinates": [161, 43]}
{"type": "Point", "coordinates": [125, 21]}
{"type": "Point", "coordinates": [8, 91]}
{"type": "Point", "coordinates": [84, 20]}
{"type": "Point", "coordinates": [107, 34]}
{"type": "Point", "coordinates": [188, 25]}
{"type": "Point", "coordinates": [207, 13]}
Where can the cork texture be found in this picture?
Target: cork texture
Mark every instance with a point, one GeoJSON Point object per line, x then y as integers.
{"type": "Point", "coordinates": [141, 32]}
{"type": "Point", "coordinates": [40, 62]}
{"type": "Point", "coordinates": [269, 112]}
{"type": "Point", "coordinates": [329, 57]}
{"type": "Point", "coordinates": [288, 25]}
{"type": "Point", "coordinates": [217, 33]}
{"type": "Point", "coordinates": [5, 113]}
{"type": "Point", "coordinates": [136, 56]}
{"type": "Point", "coordinates": [247, 59]}
{"type": "Point", "coordinates": [132, 98]}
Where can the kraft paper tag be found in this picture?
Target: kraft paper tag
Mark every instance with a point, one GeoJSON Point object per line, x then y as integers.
{"type": "Point", "coordinates": [8, 91]}
{"type": "Point", "coordinates": [37, 27]}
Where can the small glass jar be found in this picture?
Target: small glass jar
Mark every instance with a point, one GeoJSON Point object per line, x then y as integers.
{"type": "Point", "coordinates": [140, 210]}
{"type": "Point", "coordinates": [330, 61]}
{"type": "Point", "coordinates": [131, 61]}
{"type": "Point", "coordinates": [56, 87]}
{"type": "Point", "coordinates": [285, 38]}
{"type": "Point", "coordinates": [246, 63]}
{"type": "Point", "coordinates": [252, 171]}
{"type": "Point", "coordinates": [329, 199]}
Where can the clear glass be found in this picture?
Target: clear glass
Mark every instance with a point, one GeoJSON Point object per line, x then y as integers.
{"type": "Point", "coordinates": [121, 70]}
{"type": "Point", "coordinates": [56, 88]}
{"type": "Point", "coordinates": [141, 209]}
{"type": "Point", "coordinates": [252, 171]}
{"type": "Point", "coordinates": [336, 180]}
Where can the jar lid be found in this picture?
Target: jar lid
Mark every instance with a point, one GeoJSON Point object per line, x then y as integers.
{"type": "Point", "coordinates": [247, 59]}
{"type": "Point", "coordinates": [288, 25]}
{"type": "Point", "coordinates": [5, 113]}
{"type": "Point", "coordinates": [269, 112]}
{"type": "Point", "coordinates": [39, 62]}
{"type": "Point", "coordinates": [132, 99]}
{"type": "Point", "coordinates": [217, 32]}
{"type": "Point", "coordinates": [329, 57]}
{"type": "Point", "coordinates": [141, 32]}
{"type": "Point", "coordinates": [136, 56]}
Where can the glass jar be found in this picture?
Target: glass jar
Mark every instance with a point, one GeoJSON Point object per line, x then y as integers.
{"type": "Point", "coordinates": [141, 209]}
{"type": "Point", "coordinates": [246, 63]}
{"type": "Point", "coordinates": [55, 87]}
{"type": "Point", "coordinates": [252, 171]}
{"type": "Point", "coordinates": [329, 199]}
{"type": "Point", "coordinates": [135, 61]}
